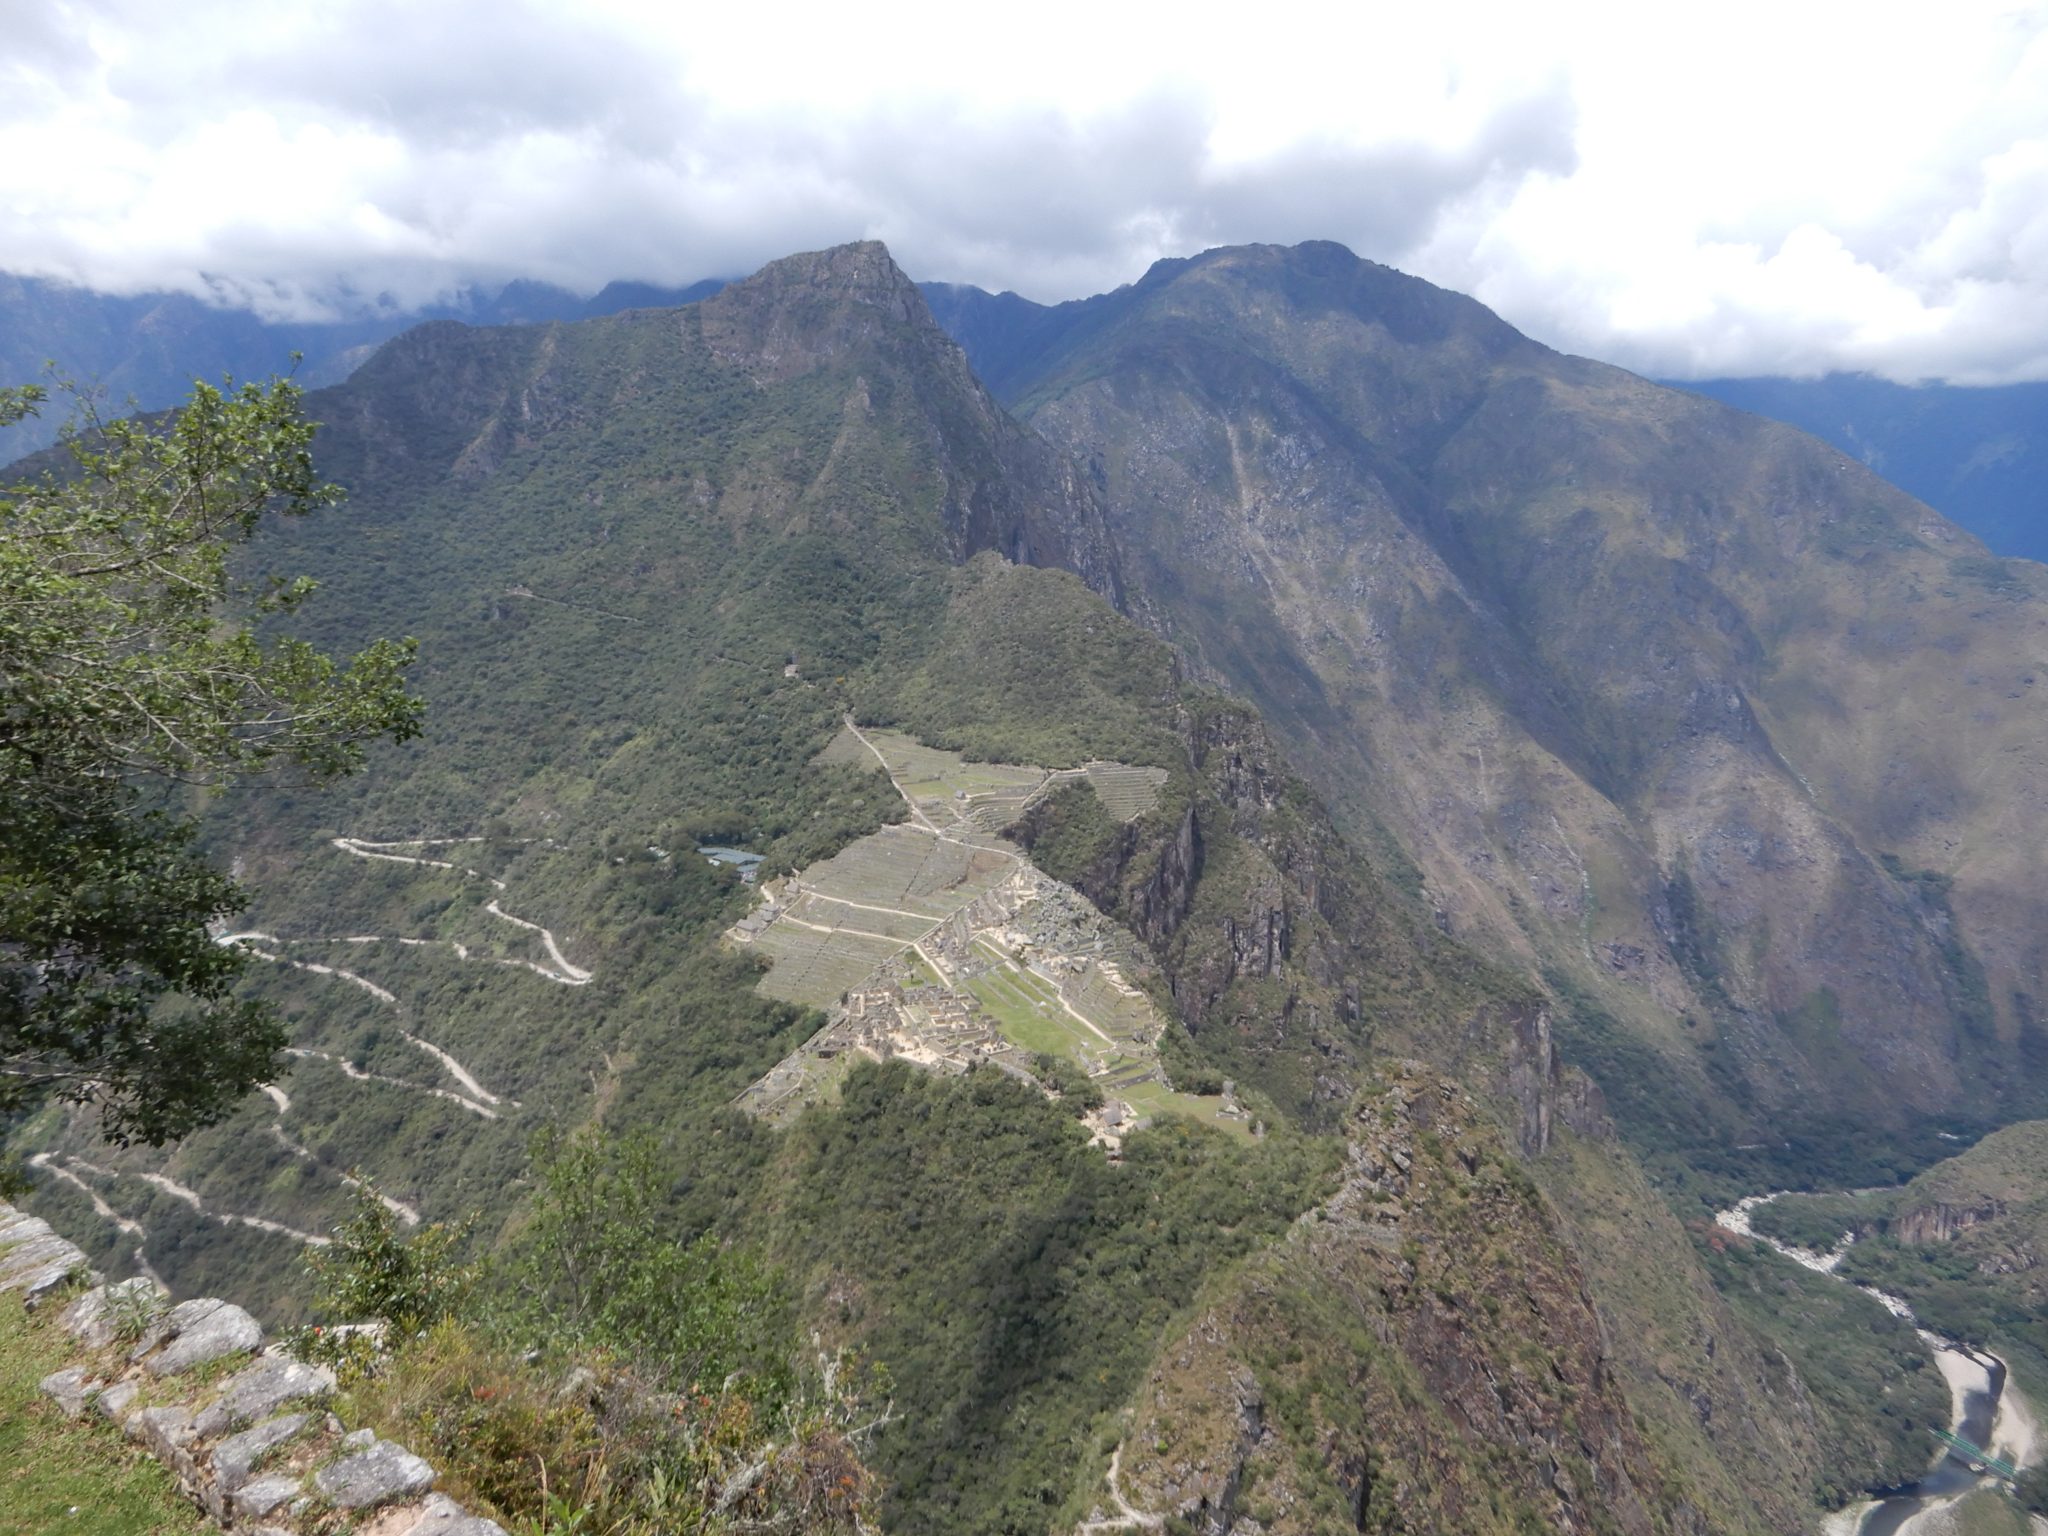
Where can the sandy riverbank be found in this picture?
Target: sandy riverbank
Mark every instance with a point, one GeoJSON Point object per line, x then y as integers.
{"type": "Point", "coordinates": [2016, 1432]}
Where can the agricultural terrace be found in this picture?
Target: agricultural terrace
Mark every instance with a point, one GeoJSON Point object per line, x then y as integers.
{"type": "Point", "coordinates": [950, 794]}
{"type": "Point", "coordinates": [937, 941]}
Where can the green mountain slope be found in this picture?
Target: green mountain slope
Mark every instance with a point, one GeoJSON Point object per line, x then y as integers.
{"type": "Point", "coordinates": [654, 563]}
{"type": "Point", "coordinates": [1733, 741]}
{"type": "Point", "coordinates": [1965, 1243]}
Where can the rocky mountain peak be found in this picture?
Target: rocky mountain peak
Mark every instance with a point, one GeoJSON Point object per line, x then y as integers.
{"type": "Point", "coordinates": [862, 272]}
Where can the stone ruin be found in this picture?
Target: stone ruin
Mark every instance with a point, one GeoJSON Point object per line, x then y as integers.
{"type": "Point", "coordinates": [254, 1443]}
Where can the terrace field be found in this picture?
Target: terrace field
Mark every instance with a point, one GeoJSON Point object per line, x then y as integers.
{"type": "Point", "coordinates": [937, 940]}
{"type": "Point", "coordinates": [943, 787]}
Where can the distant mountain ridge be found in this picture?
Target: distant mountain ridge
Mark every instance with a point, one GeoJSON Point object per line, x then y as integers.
{"type": "Point", "coordinates": [1978, 455]}
{"type": "Point", "coordinates": [152, 345]}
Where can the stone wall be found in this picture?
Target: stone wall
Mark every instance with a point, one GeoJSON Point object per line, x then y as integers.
{"type": "Point", "coordinates": [245, 1428]}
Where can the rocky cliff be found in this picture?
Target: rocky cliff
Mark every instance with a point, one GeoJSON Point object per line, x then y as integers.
{"type": "Point", "coordinates": [1421, 1354]}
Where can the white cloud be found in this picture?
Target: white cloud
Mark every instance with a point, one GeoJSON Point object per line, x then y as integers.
{"type": "Point", "coordinates": [1752, 188]}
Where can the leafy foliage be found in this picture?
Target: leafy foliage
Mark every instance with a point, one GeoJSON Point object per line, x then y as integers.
{"type": "Point", "coordinates": [1869, 1375]}
{"type": "Point", "coordinates": [371, 1273]}
{"type": "Point", "coordinates": [1014, 1281]}
{"type": "Point", "coordinates": [596, 1275]}
{"type": "Point", "coordinates": [129, 660]}
{"type": "Point", "coordinates": [556, 1405]}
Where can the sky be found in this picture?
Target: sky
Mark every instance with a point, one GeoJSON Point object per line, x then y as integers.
{"type": "Point", "coordinates": [1692, 192]}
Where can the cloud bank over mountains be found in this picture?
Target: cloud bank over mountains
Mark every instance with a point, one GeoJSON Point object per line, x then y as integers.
{"type": "Point", "coordinates": [1746, 189]}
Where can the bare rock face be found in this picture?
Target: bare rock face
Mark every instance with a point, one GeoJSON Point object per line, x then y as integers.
{"type": "Point", "coordinates": [1545, 1091]}
{"type": "Point", "coordinates": [1941, 1221]}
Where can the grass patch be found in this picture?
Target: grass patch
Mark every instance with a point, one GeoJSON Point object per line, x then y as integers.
{"type": "Point", "coordinates": [1029, 1021]}
{"type": "Point", "coordinates": [1155, 1099]}
{"type": "Point", "coordinates": [77, 1478]}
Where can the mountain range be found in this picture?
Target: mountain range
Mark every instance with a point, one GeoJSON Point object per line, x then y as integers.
{"type": "Point", "coordinates": [1973, 453]}
{"type": "Point", "coordinates": [148, 347]}
{"type": "Point", "coordinates": [1571, 803]}
{"type": "Point", "coordinates": [1719, 729]}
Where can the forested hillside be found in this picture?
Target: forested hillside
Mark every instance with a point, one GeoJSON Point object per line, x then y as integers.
{"type": "Point", "coordinates": [656, 562]}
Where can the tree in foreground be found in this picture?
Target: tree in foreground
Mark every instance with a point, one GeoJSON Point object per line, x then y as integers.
{"type": "Point", "coordinates": [137, 670]}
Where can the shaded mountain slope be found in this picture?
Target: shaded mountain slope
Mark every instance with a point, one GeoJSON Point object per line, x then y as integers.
{"type": "Point", "coordinates": [1732, 739]}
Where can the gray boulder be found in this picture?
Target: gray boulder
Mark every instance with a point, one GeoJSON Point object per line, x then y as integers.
{"type": "Point", "coordinates": [235, 1458]}
{"type": "Point", "coordinates": [262, 1389]}
{"type": "Point", "coordinates": [203, 1331]}
{"type": "Point", "coordinates": [96, 1318]}
{"type": "Point", "coordinates": [168, 1435]}
{"type": "Point", "coordinates": [252, 1501]}
{"type": "Point", "coordinates": [113, 1401]}
{"type": "Point", "coordinates": [38, 1266]}
{"type": "Point", "coordinates": [69, 1389]}
{"type": "Point", "coordinates": [442, 1516]}
{"type": "Point", "coordinates": [379, 1475]}
{"type": "Point", "coordinates": [19, 1226]}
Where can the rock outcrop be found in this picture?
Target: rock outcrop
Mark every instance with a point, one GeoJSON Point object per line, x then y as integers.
{"type": "Point", "coordinates": [1420, 1354]}
{"type": "Point", "coordinates": [255, 1447]}
{"type": "Point", "coordinates": [1941, 1221]}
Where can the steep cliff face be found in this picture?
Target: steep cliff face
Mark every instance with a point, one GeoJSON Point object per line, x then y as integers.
{"type": "Point", "coordinates": [1982, 1219]}
{"type": "Point", "coordinates": [1286, 953]}
{"type": "Point", "coordinates": [850, 308]}
{"type": "Point", "coordinates": [1737, 740]}
{"type": "Point", "coordinates": [1422, 1353]}
{"type": "Point", "coordinates": [1941, 1222]}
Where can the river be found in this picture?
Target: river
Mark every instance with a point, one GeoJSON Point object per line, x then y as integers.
{"type": "Point", "coordinates": [1987, 1409]}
